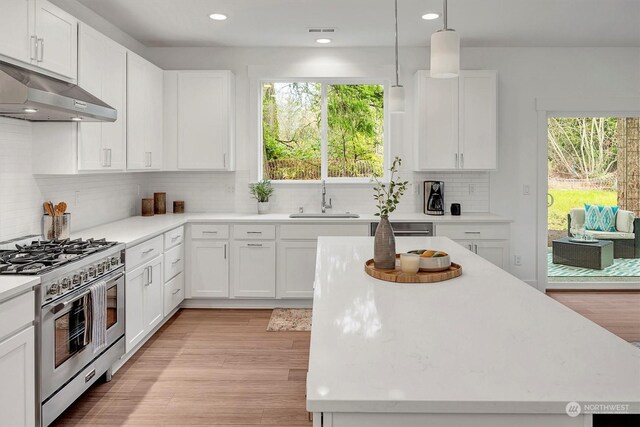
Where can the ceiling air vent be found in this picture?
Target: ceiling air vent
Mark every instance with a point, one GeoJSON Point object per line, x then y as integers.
{"type": "Point", "coordinates": [321, 30]}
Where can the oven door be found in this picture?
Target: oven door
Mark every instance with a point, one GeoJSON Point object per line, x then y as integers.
{"type": "Point", "coordinates": [66, 333]}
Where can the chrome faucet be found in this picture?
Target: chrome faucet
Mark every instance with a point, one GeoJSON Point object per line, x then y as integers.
{"type": "Point", "coordinates": [324, 205]}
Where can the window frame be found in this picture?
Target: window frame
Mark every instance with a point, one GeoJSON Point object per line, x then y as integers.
{"type": "Point", "coordinates": [324, 130]}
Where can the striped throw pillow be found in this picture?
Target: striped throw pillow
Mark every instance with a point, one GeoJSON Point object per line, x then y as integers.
{"type": "Point", "coordinates": [600, 218]}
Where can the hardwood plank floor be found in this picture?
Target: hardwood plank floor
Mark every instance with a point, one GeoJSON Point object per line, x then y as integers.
{"type": "Point", "coordinates": [205, 367]}
{"type": "Point", "coordinates": [618, 312]}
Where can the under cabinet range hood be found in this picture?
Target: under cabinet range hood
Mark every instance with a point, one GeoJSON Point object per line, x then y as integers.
{"type": "Point", "coordinates": [29, 95]}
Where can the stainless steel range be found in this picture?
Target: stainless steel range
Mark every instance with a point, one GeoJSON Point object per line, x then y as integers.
{"type": "Point", "coordinates": [67, 363]}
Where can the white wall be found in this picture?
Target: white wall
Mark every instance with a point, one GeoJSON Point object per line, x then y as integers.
{"type": "Point", "coordinates": [524, 74]}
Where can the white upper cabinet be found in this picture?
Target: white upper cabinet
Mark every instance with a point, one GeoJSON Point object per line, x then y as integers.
{"type": "Point", "coordinates": [57, 40]}
{"type": "Point", "coordinates": [455, 123]}
{"type": "Point", "coordinates": [16, 28]}
{"type": "Point", "coordinates": [38, 33]}
{"type": "Point", "coordinates": [144, 114]}
{"type": "Point", "coordinates": [102, 70]}
{"type": "Point", "coordinates": [199, 120]}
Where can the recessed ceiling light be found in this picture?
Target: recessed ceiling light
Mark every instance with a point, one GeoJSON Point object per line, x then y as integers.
{"type": "Point", "coordinates": [218, 16]}
{"type": "Point", "coordinates": [323, 41]}
{"type": "Point", "coordinates": [76, 119]}
{"type": "Point", "coordinates": [30, 110]}
{"type": "Point", "coordinates": [430, 16]}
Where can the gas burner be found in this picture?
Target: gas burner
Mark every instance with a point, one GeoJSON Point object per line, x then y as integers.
{"type": "Point", "coordinates": [44, 255]}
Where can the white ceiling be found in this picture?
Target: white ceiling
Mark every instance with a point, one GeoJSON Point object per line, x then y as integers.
{"type": "Point", "coordinates": [370, 22]}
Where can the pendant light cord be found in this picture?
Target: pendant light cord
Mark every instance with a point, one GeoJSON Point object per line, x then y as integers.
{"type": "Point", "coordinates": [444, 15]}
{"type": "Point", "coordinates": [397, 75]}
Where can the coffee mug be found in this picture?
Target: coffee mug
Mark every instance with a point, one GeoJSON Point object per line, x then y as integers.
{"type": "Point", "coordinates": [455, 209]}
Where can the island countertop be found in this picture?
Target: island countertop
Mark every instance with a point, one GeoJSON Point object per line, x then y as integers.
{"type": "Point", "coordinates": [485, 342]}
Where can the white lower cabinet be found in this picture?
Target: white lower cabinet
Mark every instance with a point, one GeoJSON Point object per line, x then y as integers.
{"type": "Point", "coordinates": [17, 370]}
{"type": "Point", "coordinates": [173, 293]}
{"type": "Point", "coordinates": [489, 240]}
{"type": "Point", "coordinates": [145, 303]}
{"type": "Point", "coordinates": [254, 272]}
{"type": "Point", "coordinates": [495, 251]}
{"type": "Point", "coordinates": [209, 269]}
{"type": "Point", "coordinates": [296, 268]}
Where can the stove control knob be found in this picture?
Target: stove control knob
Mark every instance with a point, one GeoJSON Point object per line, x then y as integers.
{"type": "Point", "coordinates": [53, 289]}
{"type": "Point", "coordinates": [77, 279]}
{"type": "Point", "coordinates": [107, 265]}
{"type": "Point", "coordinates": [85, 275]}
{"type": "Point", "coordinates": [92, 271]}
{"type": "Point", "coordinates": [114, 261]}
{"type": "Point", "coordinates": [65, 283]}
{"type": "Point", "coordinates": [100, 268]}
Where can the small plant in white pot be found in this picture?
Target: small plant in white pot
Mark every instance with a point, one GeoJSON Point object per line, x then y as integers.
{"type": "Point", "coordinates": [262, 191]}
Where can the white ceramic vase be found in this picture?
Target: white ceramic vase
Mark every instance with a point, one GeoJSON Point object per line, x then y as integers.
{"type": "Point", "coordinates": [263, 207]}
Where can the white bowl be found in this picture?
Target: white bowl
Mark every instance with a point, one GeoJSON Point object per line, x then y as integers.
{"type": "Point", "coordinates": [433, 263]}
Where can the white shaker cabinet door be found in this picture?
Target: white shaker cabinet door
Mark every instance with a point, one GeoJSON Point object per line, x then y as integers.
{"type": "Point", "coordinates": [254, 269]}
{"type": "Point", "coordinates": [16, 30]}
{"type": "Point", "coordinates": [296, 269]}
{"type": "Point", "coordinates": [57, 34]}
{"type": "Point", "coordinates": [134, 307]}
{"type": "Point", "coordinates": [209, 272]}
{"type": "Point", "coordinates": [204, 119]}
{"type": "Point", "coordinates": [496, 252]}
{"type": "Point", "coordinates": [17, 370]}
{"type": "Point", "coordinates": [153, 295]}
{"type": "Point", "coordinates": [436, 122]}
{"type": "Point", "coordinates": [477, 120]}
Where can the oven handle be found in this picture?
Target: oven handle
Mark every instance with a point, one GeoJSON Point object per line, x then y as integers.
{"type": "Point", "coordinates": [59, 307]}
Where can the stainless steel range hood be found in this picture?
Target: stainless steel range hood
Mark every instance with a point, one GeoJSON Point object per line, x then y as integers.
{"type": "Point", "coordinates": [28, 95]}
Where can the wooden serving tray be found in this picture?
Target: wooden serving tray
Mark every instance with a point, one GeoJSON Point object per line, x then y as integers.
{"type": "Point", "coordinates": [396, 275]}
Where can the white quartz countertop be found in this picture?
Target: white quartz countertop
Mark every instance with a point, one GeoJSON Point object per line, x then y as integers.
{"type": "Point", "coordinates": [484, 342]}
{"type": "Point", "coordinates": [13, 285]}
{"type": "Point", "coordinates": [134, 230]}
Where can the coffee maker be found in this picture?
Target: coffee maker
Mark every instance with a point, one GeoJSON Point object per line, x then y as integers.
{"type": "Point", "coordinates": [434, 197]}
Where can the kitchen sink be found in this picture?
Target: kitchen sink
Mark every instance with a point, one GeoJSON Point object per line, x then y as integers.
{"type": "Point", "coordinates": [324, 215]}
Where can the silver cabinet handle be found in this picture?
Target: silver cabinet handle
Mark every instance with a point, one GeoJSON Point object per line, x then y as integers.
{"type": "Point", "coordinates": [209, 232]}
{"type": "Point", "coordinates": [472, 232]}
{"type": "Point", "coordinates": [33, 48]}
{"type": "Point", "coordinates": [470, 246]}
{"type": "Point", "coordinates": [148, 281]}
{"type": "Point", "coordinates": [225, 251]}
{"type": "Point", "coordinates": [109, 152]}
{"type": "Point", "coordinates": [151, 274]}
{"type": "Point", "coordinates": [456, 156]}
{"type": "Point", "coordinates": [105, 155]}
{"type": "Point", "coordinates": [40, 49]}
{"type": "Point", "coordinates": [475, 248]}
{"type": "Point", "coordinates": [175, 261]}
{"type": "Point", "coordinates": [148, 251]}
{"type": "Point", "coordinates": [254, 245]}
{"type": "Point", "coordinates": [150, 158]}
{"type": "Point", "coordinates": [462, 160]}
{"type": "Point", "coordinates": [224, 160]}
{"type": "Point", "coordinates": [254, 232]}
{"type": "Point", "coordinates": [175, 292]}
{"type": "Point", "coordinates": [173, 238]}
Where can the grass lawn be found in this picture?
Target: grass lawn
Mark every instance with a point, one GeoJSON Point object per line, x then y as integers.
{"type": "Point", "coordinates": [567, 199]}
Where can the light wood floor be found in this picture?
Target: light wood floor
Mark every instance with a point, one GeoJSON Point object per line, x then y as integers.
{"type": "Point", "coordinates": [221, 368]}
{"type": "Point", "coordinates": [618, 312]}
{"type": "Point", "coordinates": [206, 367]}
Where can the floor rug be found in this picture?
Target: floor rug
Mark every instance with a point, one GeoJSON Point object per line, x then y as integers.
{"type": "Point", "coordinates": [620, 268]}
{"type": "Point", "coordinates": [290, 319]}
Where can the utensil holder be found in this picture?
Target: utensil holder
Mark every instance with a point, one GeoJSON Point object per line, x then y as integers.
{"type": "Point", "coordinates": [56, 227]}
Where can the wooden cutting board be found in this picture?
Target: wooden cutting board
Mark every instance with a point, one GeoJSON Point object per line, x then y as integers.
{"type": "Point", "coordinates": [397, 276]}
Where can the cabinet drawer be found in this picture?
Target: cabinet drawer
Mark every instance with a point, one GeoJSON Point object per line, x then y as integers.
{"type": "Point", "coordinates": [143, 252]}
{"type": "Point", "coordinates": [173, 262]}
{"type": "Point", "coordinates": [16, 313]}
{"type": "Point", "coordinates": [209, 231]}
{"type": "Point", "coordinates": [313, 231]}
{"type": "Point", "coordinates": [254, 232]}
{"type": "Point", "coordinates": [173, 293]}
{"type": "Point", "coordinates": [173, 238]}
{"type": "Point", "coordinates": [473, 231]}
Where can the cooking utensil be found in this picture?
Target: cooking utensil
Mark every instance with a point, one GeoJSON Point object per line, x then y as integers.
{"type": "Point", "coordinates": [61, 208]}
{"type": "Point", "coordinates": [48, 208]}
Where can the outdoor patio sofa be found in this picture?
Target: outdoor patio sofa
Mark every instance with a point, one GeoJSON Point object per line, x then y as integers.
{"type": "Point", "coordinates": [626, 238]}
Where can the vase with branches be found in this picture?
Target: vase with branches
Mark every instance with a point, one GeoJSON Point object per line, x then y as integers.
{"type": "Point", "coordinates": [261, 191]}
{"type": "Point", "coordinates": [387, 197]}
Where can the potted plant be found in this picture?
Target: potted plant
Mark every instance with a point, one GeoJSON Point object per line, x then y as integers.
{"type": "Point", "coordinates": [387, 197]}
{"type": "Point", "coordinates": [261, 191]}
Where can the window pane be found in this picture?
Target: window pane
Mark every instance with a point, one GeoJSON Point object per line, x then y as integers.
{"type": "Point", "coordinates": [291, 130]}
{"type": "Point", "coordinates": [355, 119]}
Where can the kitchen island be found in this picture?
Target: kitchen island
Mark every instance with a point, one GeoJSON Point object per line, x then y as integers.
{"type": "Point", "coordinates": [484, 349]}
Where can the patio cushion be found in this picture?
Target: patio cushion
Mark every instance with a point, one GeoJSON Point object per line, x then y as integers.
{"type": "Point", "coordinates": [624, 221]}
{"type": "Point", "coordinates": [600, 218]}
{"type": "Point", "coordinates": [609, 235]}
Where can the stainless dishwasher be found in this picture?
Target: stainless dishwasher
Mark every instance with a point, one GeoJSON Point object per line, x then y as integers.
{"type": "Point", "coordinates": [403, 229]}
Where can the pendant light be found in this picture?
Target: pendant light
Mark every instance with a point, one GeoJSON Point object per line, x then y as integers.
{"type": "Point", "coordinates": [445, 51]}
{"type": "Point", "coordinates": [397, 90]}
